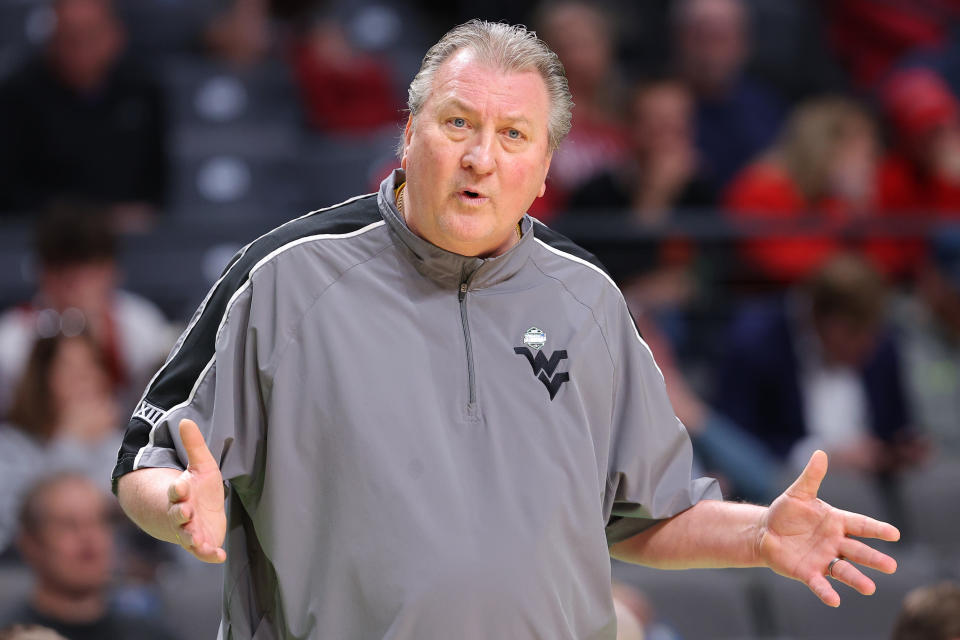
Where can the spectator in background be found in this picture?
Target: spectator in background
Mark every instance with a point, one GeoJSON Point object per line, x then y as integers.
{"type": "Point", "coordinates": [922, 173]}
{"type": "Point", "coordinates": [930, 325]}
{"type": "Point", "coordinates": [78, 290]}
{"type": "Point", "coordinates": [930, 613]}
{"type": "Point", "coordinates": [66, 537]}
{"type": "Point", "coordinates": [661, 172]}
{"type": "Point", "coordinates": [343, 89]}
{"type": "Point", "coordinates": [869, 37]}
{"type": "Point", "coordinates": [735, 118]}
{"type": "Point", "coordinates": [63, 417]}
{"type": "Point", "coordinates": [583, 37]}
{"type": "Point", "coordinates": [818, 369]}
{"type": "Point", "coordinates": [821, 176]}
{"type": "Point", "coordinates": [241, 35]}
{"type": "Point", "coordinates": [81, 120]}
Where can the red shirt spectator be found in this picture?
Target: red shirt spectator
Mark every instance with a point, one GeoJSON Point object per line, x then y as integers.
{"type": "Point", "coordinates": [823, 171]}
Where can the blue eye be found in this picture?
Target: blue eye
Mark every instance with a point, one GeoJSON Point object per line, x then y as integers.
{"type": "Point", "coordinates": [459, 122]}
{"type": "Point", "coordinates": [514, 134]}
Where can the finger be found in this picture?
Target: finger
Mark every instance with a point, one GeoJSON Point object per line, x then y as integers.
{"type": "Point", "coordinates": [865, 527]}
{"type": "Point", "coordinates": [822, 589]}
{"type": "Point", "coordinates": [181, 514]}
{"type": "Point", "coordinates": [808, 484]}
{"type": "Point", "coordinates": [865, 555]}
{"type": "Point", "coordinates": [849, 575]}
{"type": "Point", "coordinates": [198, 455]}
{"type": "Point", "coordinates": [209, 553]}
{"type": "Point", "coordinates": [179, 490]}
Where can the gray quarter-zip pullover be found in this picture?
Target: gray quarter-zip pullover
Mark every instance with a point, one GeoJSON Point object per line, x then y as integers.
{"type": "Point", "coordinates": [419, 444]}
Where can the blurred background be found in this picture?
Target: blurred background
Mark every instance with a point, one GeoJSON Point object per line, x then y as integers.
{"type": "Point", "coordinates": [775, 184]}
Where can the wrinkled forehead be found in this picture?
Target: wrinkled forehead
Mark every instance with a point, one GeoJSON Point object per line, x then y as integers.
{"type": "Point", "coordinates": [467, 77]}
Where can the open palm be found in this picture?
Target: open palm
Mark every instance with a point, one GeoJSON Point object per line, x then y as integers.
{"type": "Point", "coordinates": [196, 510]}
{"type": "Point", "coordinates": [801, 535]}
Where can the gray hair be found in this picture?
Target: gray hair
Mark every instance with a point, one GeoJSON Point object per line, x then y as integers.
{"type": "Point", "coordinates": [508, 48]}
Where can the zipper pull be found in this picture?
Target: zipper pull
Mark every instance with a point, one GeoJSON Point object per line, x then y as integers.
{"type": "Point", "coordinates": [463, 291]}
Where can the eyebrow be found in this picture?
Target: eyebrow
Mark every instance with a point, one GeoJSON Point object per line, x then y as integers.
{"type": "Point", "coordinates": [456, 103]}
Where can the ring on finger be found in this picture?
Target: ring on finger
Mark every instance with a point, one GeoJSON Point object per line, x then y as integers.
{"type": "Point", "coordinates": [830, 566]}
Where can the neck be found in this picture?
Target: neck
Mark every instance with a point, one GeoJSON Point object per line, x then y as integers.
{"type": "Point", "coordinates": [69, 607]}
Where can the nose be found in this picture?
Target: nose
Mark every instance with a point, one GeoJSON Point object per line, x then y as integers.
{"type": "Point", "coordinates": [479, 155]}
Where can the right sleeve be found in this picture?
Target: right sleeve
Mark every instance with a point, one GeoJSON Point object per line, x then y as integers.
{"type": "Point", "coordinates": [212, 377]}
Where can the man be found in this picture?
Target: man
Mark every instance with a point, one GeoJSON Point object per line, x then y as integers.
{"type": "Point", "coordinates": [79, 120]}
{"type": "Point", "coordinates": [434, 414]}
{"type": "Point", "coordinates": [735, 118]}
{"type": "Point", "coordinates": [819, 370]}
{"type": "Point", "coordinates": [67, 539]}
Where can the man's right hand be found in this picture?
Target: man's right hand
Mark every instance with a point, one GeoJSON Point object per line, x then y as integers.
{"type": "Point", "coordinates": [196, 512]}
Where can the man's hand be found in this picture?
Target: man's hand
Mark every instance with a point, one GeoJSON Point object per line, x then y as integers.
{"type": "Point", "coordinates": [196, 513]}
{"type": "Point", "coordinates": [800, 535]}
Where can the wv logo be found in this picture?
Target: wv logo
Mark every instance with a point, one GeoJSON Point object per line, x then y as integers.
{"type": "Point", "coordinates": [544, 368]}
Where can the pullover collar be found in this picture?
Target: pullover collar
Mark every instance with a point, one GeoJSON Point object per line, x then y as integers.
{"type": "Point", "coordinates": [443, 266]}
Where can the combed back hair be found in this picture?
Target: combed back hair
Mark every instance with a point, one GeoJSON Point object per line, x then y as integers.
{"type": "Point", "coordinates": [507, 48]}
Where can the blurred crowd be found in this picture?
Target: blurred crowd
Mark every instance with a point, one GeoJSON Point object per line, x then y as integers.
{"type": "Point", "coordinates": [775, 185]}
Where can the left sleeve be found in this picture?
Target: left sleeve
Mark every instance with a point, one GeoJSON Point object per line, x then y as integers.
{"type": "Point", "coordinates": [650, 470]}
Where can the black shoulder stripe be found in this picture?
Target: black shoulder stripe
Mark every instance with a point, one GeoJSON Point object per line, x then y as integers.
{"type": "Point", "coordinates": [176, 379]}
{"type": "Point", "coordinates": [561, 242]}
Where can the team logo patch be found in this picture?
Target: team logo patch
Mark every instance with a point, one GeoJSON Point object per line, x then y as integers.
{"type": "Point", "coordinates": [534, 338]}
{"type": "Point", "coordinates": [544, 367]}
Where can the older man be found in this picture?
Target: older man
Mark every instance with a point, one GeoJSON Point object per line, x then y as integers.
{"type": "Point", "coordinates": [434, 414]}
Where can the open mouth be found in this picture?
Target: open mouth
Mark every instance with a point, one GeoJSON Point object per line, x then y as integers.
{"type": "Point", "coordinates": [470, 194]}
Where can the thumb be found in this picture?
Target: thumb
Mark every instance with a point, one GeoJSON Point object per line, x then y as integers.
{"type": "Point", "coordinates": [198, 455]}
{"type": "Point", "coordinates": [808, 484]}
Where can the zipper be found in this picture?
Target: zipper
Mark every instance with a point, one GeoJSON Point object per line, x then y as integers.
{"type": "Point", "coordinates": [462, 297]}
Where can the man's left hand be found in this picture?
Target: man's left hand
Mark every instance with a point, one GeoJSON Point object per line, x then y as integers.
{"type": "Point", "coordinates": [800, 535]}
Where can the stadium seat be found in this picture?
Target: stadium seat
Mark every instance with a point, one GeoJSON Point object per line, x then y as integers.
{"type": "Point", "coordinates": [203, 92]}
{"type": "Point", "coordinates": [24, 26]}
{"type": "Point", "coordinates": [159, 29]}
{"type": "Point", "coordinates": [721, 597]}
{"type": "Point", "coordinates": [334, 168]}
{"type": "Point", "coordinates": [931, 503]}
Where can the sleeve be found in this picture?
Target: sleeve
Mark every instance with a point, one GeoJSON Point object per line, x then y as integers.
{"type": "Point", "coordinates": [650, 470]}
{"type": "Point", "coordinates": [213, 376]}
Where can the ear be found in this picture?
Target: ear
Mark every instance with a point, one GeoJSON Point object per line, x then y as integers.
{"type": "Point", "coordinates": [546, 172]}
{"type": "Point", "coordinates": [407, 134]}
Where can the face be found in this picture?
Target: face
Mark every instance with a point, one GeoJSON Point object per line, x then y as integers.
{"type": "Point", "coordinates": [88, 286]}
{"type": "Point", "coordinates": [76, 373]}
{"type": "Point", "coordinates": [86, 42]}
{"type": "Point", "coordinates": [661, 119]}
{"type": "Point", "coordinates": [72, 548]}
{"type": "Point", "coordinates": [476, 156]}
{"type": "Point", "coordinates": [577, 35]}
{"type": "Point", "coordinates": [713, 42]}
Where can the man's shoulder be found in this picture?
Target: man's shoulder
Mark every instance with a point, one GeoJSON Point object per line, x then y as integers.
{"type": "Point", "coordinates": [349, 219]}
{"type": "Point", "coordinates": [560, 257]}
